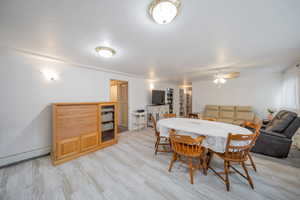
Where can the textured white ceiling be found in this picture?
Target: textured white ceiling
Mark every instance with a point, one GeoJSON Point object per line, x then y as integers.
{"type": "Point", "coordinates": [207, 35]}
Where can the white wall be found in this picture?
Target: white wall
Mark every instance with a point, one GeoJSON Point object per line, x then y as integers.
{"type": "Point", "coordinates": [26, 97]}
{"type": "Point", "coordinates": [293, 71]}
{"type": "Point", "coordinates": [261, 91]}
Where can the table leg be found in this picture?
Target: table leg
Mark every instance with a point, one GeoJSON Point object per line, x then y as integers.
{"type": "Point", "coordinates": [209, 156]}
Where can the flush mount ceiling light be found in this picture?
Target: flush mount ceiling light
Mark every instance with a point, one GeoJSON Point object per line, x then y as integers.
{"type": "Point", "coordinates": [164, 11]}
{"type": "Point", "coordinates": [105, 52]}
{"type": "Point", "coordinates": [50, 75]}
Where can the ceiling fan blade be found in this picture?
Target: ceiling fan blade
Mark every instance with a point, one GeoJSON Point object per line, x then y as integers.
{"type": "Point", "coordinates": [232, 75]}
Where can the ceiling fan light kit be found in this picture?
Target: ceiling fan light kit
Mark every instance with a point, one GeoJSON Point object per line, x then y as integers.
{"type": "Point", "coordinates": [219, 79]}
{"type": "Point", "coordinates": [222, 78]}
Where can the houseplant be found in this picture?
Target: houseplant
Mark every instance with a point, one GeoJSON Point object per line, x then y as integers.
{"type": "Point", "coordinates": [271, 112]}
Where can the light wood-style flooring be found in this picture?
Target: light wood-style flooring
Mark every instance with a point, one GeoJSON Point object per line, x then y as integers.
{"type": "Point", "coordinates": [130, 170]}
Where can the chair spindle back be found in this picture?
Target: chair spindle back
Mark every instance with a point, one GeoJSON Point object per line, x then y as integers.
{"type": "Point", "coordinates": [186, 145]}
{"type": "Point", "coordinates": [238, 146]}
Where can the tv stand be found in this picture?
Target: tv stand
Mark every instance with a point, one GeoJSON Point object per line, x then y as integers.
{"type": "Point", "coordinates": [157, 111]}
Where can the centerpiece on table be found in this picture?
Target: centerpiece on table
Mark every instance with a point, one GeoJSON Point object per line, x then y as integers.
{"type": "Point", "coordinates": [271, 112]}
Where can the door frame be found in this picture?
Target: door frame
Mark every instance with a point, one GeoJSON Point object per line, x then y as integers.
{"type": "Point", "coordinates": [127, 81]}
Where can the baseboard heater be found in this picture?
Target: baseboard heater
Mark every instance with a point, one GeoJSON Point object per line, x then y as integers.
{"type": "Point", "coordinates": [23, 156]}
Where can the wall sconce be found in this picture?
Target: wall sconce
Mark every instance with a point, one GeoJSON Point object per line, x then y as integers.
{"type": "Point", "coordinates": [50, 75]}
{"type": "Point", "coordinates": [151, 86]}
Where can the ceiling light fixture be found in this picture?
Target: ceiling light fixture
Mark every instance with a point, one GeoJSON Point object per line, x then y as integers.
{"type": "Point", "coordinates": [151, 86]}
{"type": "Point", "coordinates": [50, 75]}
{"type": "Point", "coordinates": [105, 52]}
{"type": "Point", "coordinates": [219, 80]}
{"type": "Point", "coordinates": [164, 11]}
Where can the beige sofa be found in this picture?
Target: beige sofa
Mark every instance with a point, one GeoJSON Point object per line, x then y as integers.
{"type": "Point", "coordinates": [230, 114]}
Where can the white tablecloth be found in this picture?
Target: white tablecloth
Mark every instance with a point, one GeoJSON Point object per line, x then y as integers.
{"type": "Point", "coordinates": [216, 132]}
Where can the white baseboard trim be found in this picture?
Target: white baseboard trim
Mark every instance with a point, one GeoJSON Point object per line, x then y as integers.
{"type": "Point", "coordinates": [7, 160]}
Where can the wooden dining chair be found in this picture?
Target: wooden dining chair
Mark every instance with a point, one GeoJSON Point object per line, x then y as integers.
{"type": "Point", "coordinates": [193, 116]}
{"type": "Point", "coordinates": [237, 151]}
{"type": "Point", "coordinates": [160, 140]}
{"type": "Point", "coordinates": [256, 129]}
{"type": "Point", "coordinates": [184, 145]}
{"type": "Point", "coordinates": [169, 115]}
{"type": "Point", "coordinates": [251, 126]}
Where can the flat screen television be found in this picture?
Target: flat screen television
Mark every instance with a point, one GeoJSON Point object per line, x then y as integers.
{"type": "Point", "coordinates": [158, 97]}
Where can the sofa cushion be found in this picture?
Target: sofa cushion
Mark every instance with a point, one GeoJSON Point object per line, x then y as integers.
{"type": "Point", "coordinates": [230, 121]}
{"type": "Point", "coordinates": [244, 113]}
{"type": "Point", "coordinates": [212, 107]}
{"type": "Point", "coordinates": [292, 129]}
{"type": "Point", "coordinates": [227, 112]}
{"type": "Point", "coordinates": [244, 108]}
{"type": "Point", "coordinates": [281, 121]}
{"type": "Point", "coordinates": [273, 134]}
{"type": "Point", "coordinates": [211, 111]}
{"type": "Point", "coordinates": [209, 118]}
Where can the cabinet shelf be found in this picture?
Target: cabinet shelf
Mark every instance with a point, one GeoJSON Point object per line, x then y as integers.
{"type": "Point", "coordinates": [110, 111]}
{"type": "Point", "coordinates": [108, 135]}
{"type": "Point", "coordinates": [108, 121]}
{"type": "Point", "coordinates": [108, 131]}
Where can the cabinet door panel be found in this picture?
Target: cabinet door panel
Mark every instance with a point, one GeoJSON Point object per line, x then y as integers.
{"type": "Point", "coordinates": [75, 120]}
{"type": "Point", "coordinates": [88, 141]}
{"type": "Point", "coordinates": [68, 147]}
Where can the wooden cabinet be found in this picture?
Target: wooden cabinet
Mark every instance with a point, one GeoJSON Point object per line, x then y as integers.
{"type": "Point", "coordinates": [89, 141]}
{"type": "Point", "coordinates": [80, 128]}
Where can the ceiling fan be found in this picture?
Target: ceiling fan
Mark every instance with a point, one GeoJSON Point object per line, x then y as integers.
{"type": "Point", "coordinates": [221, 78]}
{"type": "Point", "coordinates": [231, 75]}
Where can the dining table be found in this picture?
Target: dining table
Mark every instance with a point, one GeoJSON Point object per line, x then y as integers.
{"type": "Point", "coordinates": [215, 133]}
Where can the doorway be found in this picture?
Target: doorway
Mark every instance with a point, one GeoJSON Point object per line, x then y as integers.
{"type": "Point", "coordinates": [119, 93]}
{"type": "Point", "coordinates": [185, 101]}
